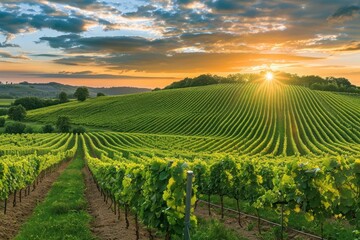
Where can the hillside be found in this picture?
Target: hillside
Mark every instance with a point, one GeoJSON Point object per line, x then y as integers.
{"type": "Point", "coordinates": [52, 90]}
{"type": "Point", "coordinates": [265, 118]}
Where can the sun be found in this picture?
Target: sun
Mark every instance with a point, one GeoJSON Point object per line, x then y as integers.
{"type": "Point", "coordinates": [269, 76]}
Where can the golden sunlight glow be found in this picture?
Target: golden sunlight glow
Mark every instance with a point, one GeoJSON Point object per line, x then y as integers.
{"type": "Point", "coordinates": [269, 76]}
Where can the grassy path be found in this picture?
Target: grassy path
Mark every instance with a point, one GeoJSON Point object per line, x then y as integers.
{"type": "Point", "coordinates": [63, 214]}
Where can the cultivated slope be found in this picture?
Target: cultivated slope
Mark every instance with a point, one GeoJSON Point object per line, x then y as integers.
{"type": "Point", "coordinates": [264, 117]}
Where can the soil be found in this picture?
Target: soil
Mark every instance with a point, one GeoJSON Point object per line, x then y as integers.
{"type": "Point", "coordinates": [11, 222]}
{"type": "Point", "coordinates": [249, 228]}
{"type": "Point", "coordinates": [105, 224]}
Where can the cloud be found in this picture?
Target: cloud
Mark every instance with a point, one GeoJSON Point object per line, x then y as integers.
{"type": "Point", "coordinates": [74, 43]}
{"type": "Point", "coordinates": [13, 23]}
{"type": "Point", "coordinates": [181, 62]}
{"type": "Point", "coordinates": [345, 13]}
{"type": "Point", "coordinates": [5, 45]}
{"type": "Point", "coordinates": [10, 56]}
{"type": "Point", "coordinates": [353, 46]}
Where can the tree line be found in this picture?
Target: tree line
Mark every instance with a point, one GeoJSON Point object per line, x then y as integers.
{"type": "Point", "coordinates": [310, 81]}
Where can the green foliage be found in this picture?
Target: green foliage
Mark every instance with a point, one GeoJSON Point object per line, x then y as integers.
{"type": "Point", "coordinates": [79, 130]}
{"type": "Point", "coordinates": [2, 122]}
{"type": "Point", "coordinates": [312, 81]}
{"type": "Point", "coordinates": [81, 93]}
{"type": "Point", "coordinates": [17, 113]}
{"type": "Point", "coordinates": [3, 111]}
{"type": "Point", "coordinates": [48, 128]}
{"type": "Point", "coordinates": [63, 97]}
{"type": "Point", "coordinates": [215, 230]}
{"type": "Point", "coordinates": [255, 119]}
{"type": "Point", "coordinates": [14, 128]}
{"type": "Point", "coordinates": [30, 103]}
{"type": "Point", "coordinates": [100, 94]}
{"type": "Point", "coordinates": [28, 129]}
{"type": "Point", "coordinates": [63, 124]}
{"type": "Point", "coordinates": [63, 214]}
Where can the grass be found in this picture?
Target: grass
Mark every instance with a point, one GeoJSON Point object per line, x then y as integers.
{"type": "Point", "coordinates": [63, 213]}
{"type": "Point", "coordinates": [333, 229]}
{"type": "Point", "coordinates": [6, 102]}
{"type": "Point", "coordinates": [213, 229]}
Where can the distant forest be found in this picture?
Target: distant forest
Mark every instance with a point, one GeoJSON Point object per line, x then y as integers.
{"type": "Point", "coordinates": [313, 82]}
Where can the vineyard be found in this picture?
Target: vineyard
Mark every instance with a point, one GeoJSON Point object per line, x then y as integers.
{"type": "Point", "coordinates": [271, 147]}
{"type": "Point", "coordinates": [248, 119]}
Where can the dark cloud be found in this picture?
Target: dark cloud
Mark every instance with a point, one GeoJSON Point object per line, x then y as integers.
{"type": "Point", "coordinates": [12, 23]}
{"type": "Point", "coordinates": [345, 13]}
{"type": "Point", "coordinates": [5, 45]}
{"type": "Point", "coordinates": [46, 55]}
{"type": "Point", "coordinates": [120, 44]}
{"type": "Point", "coordinates": [229, 5]}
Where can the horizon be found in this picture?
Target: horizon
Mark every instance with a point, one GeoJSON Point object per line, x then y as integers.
{"type": "Point", "coordinates": [151, 44]}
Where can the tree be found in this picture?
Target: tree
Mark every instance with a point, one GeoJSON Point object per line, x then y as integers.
{"type": "Point", "coordinates": [100, 94]}
{"type": "Point", "coordinates": [29, 103]}
{"type": "Point", "coordinates": [63, 124]}
{"type": "Point", "coordinates": [15, 128]}
{"type": "Point", "coordinates": [82, 93]}
{"type": "Point", "coordinates": [48, 128]}
{"type": "Point", "coordinates": [63, 97]}
{"type": "Point", "coordinates": [17, 113]}
{"type": "Point", "coordinates": [2, 122]}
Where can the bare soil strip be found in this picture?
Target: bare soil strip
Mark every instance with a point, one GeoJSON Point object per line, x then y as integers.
{"type": "Point", "coordinates": [105, 224]}
{"type": "Point", "coordinates": [11, 222]}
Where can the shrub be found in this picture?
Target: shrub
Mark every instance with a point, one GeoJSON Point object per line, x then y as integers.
{"type": "Point", "coordinates": [15, 128]}
{"type": "Point", "coordinates": [2, 122]}
{"type": "Point", "coordinates": [3, 111]}
{"type": "Point", "coordinates": [30, 103]}
{"type": "Point", "coordinates": [17, 113]}
{"type": "Point", "coordinates": [29, 129]}
{"type": "Point", "coordinates": [79, 130]}
{"type": "Point", "coordinates": [48, 128]}
{"type": "Point", "coordinates": [100, 94]}
{"type": "Point", "coordinates": [63, 124]}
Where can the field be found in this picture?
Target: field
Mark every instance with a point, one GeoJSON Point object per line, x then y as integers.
{"type": "Point", "coordinates": [285, 153]}
{"type": "Point", "coordinates": [250, 119]}
{"type": "Point", "coordinates": [6, 102]}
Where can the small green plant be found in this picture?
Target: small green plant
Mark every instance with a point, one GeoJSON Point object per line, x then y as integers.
{"type": "Point", "coordinates": [214, 230]}
{"type": "Point", "coordinates": [250, 226]}
{"type": "Point", "coordinates": [14, 128]}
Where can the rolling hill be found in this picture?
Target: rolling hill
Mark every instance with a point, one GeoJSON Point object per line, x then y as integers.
{"type": "Point", "coordinates": [52, 90]}
{"type": "Point", "coordinates": [256, 118]}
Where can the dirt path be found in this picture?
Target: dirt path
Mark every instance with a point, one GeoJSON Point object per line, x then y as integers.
{"type": "Point", "coordinates": [11, 222]}
{"type": "Point", "coordinates": [105, 224]}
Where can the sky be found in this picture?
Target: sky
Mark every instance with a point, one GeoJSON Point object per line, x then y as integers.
{"type": "Point", "coordinates": [155, 42]}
